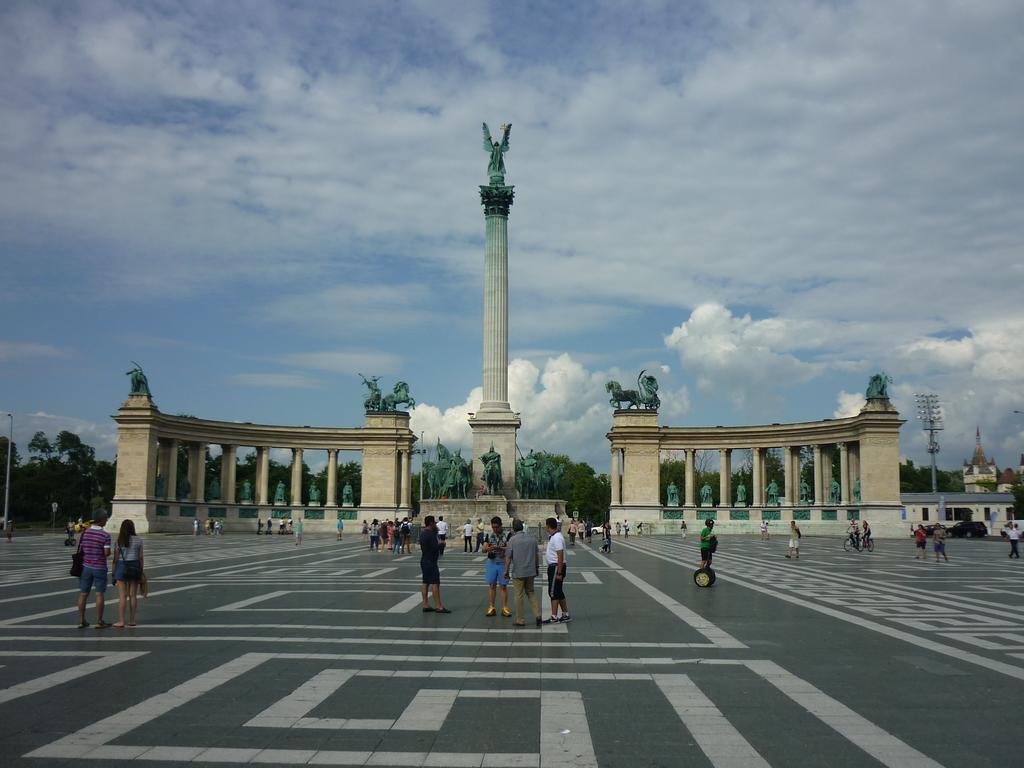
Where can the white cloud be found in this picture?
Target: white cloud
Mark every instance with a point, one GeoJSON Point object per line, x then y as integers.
{"type": "Point", "coordinates": [101, 436]}
{"type": "Point", "coordinates": [345, 361]}
{"type": "Point", "coordinates": [736, 356]}
{"type": "Point", "coordinates": [564, 409]}
{"type": "Point", "coordinates": [848, 404]}
{"type": "Point", "coordinates": [18, 350]}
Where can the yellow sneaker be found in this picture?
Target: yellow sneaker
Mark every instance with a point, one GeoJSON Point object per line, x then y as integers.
{"type": "Point", "coordinates": [491, 611]}
{"type": "Point", "coordinates": [506, 612]}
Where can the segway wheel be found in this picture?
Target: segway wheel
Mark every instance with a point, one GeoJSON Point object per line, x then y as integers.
{"type": "Point", "coordinates": [704, 577]}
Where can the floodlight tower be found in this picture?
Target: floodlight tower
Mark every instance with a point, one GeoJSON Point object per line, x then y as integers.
{"type": "Point", "coordinates": [929, 413]}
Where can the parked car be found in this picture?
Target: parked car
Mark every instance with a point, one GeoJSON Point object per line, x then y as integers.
{"type": "Point", "coordinates": [965, 529]}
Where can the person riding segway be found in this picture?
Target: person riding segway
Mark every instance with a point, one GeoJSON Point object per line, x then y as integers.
{"type": "Point", "coordinates": [705, 575]}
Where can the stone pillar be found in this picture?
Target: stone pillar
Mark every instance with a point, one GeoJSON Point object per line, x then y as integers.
{"type": "Point", "coordinates": [787, 475]}
{"type": "Point", "coordinates": [616, 488]}
{"type": "Point", "coordinates": [818, 496]}
{"type": "Point", "coordinates": [171, 476]}
{"type": "Point", "coordinates": [691, 476]}
{"type": "Point", "coordinates": [724, 477]}
{"type": "Point", "coordinates": [332, 477]}
{"type": "Point", "coordinates": [228, 468]}
{"type": "Point", "coordinates": [262, 474]}
{"type": "Point", "coordinates": [405, 503]}
{"type": "Point", "coordinates": [197, 470]}
{"type": "Point", "coordinates": [826, 474]}
{"type": "Point", "coordinates": [757, 477]}
{"type": "Point", "coordinates": [494, 423]}
{"type": "Point", "coordinates": [795, 454]}
{"type": "Point", "coordinates": [296, 496]}
{"type": "Point", "coordinates": [844, 474]}
{"type": "Point", "coordinates": [854, 458]}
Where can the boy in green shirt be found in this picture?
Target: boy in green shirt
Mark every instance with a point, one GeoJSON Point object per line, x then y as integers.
{"type": "Point", "coordinates": [707, 538]}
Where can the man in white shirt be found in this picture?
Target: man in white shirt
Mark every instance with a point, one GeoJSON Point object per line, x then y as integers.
{"type": "Point", "coordinates": [1013, 533]}
{"type": "Point", "coordinates": [442, 535]}
{"type": "Point", "coordinates": [555, 557]}
{"type": "Point", "coordinates": [467, 537]}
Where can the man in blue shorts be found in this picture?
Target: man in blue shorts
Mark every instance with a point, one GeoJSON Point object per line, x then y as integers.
{"type": "Point", "coordinates": [495, 544]}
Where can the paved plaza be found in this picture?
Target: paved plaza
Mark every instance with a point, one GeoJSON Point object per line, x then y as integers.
{"type": "Point", "coordinates": [252, 650]}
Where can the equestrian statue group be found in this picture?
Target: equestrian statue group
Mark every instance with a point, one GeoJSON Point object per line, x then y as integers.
{"type": "Point", "coordinates": [376, 401]}
{"type": "Point", "coordinates": [645, 395]}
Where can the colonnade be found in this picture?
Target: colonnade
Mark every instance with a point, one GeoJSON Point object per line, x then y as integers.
{"type": "Point", "coordinates": [147, 463]}
{"type": "Point", "coordinates": [867, 446]}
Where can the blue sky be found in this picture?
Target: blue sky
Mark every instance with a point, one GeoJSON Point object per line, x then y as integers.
{"type": "Point", "coordinates": [763, 203]}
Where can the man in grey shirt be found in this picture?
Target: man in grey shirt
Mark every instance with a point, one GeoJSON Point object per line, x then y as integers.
{"type": "Point", "coordinates": [521, 566]}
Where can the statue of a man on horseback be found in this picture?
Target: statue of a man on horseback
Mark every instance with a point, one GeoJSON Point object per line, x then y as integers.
{"type": "Point", "coordinates": [377, 401]}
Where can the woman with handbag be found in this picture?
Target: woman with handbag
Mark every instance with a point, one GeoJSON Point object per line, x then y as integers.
{"type": "Point", "coordinates": [127, 572]}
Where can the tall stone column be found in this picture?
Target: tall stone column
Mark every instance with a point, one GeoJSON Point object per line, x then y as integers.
{"type": "Point", "coordinates": [854, 465]}
{"type": "Point", "coordinates": [263, 474]}
{"type": "Point", "coordinates": [228, 468]}
{"type": "Point", "coordinates": [757, 477]}
{"type": "Point", "coordinates": [691, 459]}
{"type": "Point", "coordinates": [332, 477]}
{"type": "Point", "coordinates": [616, 492]}
{"type": "Point", "coordinates": [724, 477]}
{"type": "Point", "coordinates": [844, 474]}
{"type": "Point", "coordinates": [818, 477]}
{"type": "Point", "coordinates": [826, 474]}
{"type": "Point", "coordinates": [197, 469]}
{"type": "Point", "coordinates": [494, 422]}
{"type": "Point", "coordinates": [296, 477]}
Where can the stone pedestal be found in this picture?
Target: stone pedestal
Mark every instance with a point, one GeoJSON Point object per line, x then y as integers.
{"type": "Point", "coordinates": [497, 428]}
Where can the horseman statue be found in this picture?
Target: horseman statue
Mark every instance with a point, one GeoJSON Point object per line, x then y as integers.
{"type": "Point", "coordinates": [645, 396]}
{"type": "Point", "coordinates": [492, 471]}
{"type": "Point", "coordinates": [448, 476]}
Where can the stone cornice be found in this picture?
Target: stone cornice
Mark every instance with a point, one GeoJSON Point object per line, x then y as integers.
{"type": "Point", "coordinates": [822, 432]}
{"type": "Point", "coordinates": [381, 429]}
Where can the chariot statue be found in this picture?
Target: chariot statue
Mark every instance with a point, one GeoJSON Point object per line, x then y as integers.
{"type": "Point", "coordinates": [373, 398]}
{"type": "Point", "coordinates": [399, 396]}
{"type": "Point", "coordinates": [644, 396]}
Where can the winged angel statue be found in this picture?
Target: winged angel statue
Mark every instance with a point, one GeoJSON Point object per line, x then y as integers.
{"type": "Point", "coordinates": [496, 149]}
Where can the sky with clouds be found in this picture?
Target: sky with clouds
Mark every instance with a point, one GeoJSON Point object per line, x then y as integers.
{"type": "Point", "coordinates": [762, 203]}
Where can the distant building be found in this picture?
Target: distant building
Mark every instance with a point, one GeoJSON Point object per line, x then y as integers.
{"type": "Point", "coordinates": [982, 475]}
{"type": "Point", "coordinates": [991, 508]}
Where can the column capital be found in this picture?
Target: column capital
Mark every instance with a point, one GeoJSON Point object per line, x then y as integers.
{"type": "Point", "coordinates": [496, 199]}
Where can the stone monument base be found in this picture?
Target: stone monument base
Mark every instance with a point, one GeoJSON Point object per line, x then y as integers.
{"type": "Point", "coordinates": [457, 511]}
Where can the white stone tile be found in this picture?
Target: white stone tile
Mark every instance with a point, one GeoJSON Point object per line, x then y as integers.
{"type": "Point", "coordinates": [284, 756]}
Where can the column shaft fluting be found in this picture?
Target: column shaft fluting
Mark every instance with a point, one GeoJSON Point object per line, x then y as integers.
{"type": "Point", "coordinates": [172, 470]}
{"type": "Point", "coordinates": [228, 468]}
{"type": "Point", "coordinates": [496, 312]}
{"type": "Point", "coordinates": [756, 479]}
{"type": "Point", "coordinates": [844, 473]}
{"type": "Point", "coordinates": [724, 477]}
{"type": "Point", "coordinates": [262, 474]}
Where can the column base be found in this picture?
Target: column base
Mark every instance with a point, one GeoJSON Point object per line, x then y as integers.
{"type": "Point", "coordinates": [497, 428]}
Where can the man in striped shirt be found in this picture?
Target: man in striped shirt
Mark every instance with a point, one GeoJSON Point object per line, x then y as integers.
{"type": "Point", "coordinates": [95, 544]}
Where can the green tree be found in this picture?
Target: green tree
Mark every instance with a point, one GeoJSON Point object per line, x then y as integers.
{"type": "Point", "coordinates": [672, 471]}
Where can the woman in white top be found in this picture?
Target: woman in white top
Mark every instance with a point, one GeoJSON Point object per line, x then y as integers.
{"type": "Point", "coordinates": [127, 572]}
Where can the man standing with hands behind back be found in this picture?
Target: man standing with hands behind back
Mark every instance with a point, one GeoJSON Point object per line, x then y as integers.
{"type": "Point", "coordinates": [555, 557]}
{"type": "Point", "coordinates": [429, 552]}
{"type": "Point", "coordinates": [521, 564]}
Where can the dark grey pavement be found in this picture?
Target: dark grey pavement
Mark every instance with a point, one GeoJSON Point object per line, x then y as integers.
{"type": "Point", "coordinates": [251, 649]}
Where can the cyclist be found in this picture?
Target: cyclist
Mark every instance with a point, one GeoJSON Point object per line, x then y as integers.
{"type": "Point", "coordinates": [866, 535]}
{"type": "Point", "coordinates": [854, 532]}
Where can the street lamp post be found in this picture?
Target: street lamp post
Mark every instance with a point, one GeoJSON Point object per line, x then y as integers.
{"type": "Point", "coordinates": [7, 482]}
{"type": "Point", "coordinates": [422, 453]}
{"type": "Point", "coordinates": [929, 412]}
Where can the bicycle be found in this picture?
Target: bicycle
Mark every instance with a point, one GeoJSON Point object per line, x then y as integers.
{"type": "Point", "coordinates": [851, 543]}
